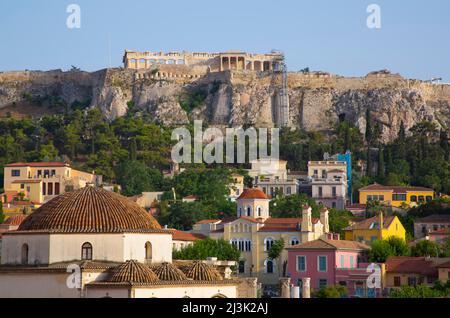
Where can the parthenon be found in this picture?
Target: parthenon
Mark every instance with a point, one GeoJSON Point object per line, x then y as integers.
{"type": "Point", "coordinates": [214, 62]}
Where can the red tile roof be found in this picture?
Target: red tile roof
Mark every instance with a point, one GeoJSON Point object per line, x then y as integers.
{"type": "Point", "coordinates": [444, 265]}
{"type": "Point", "coordinates": [37, 164]}
{"type": "Point", "coordinates": [379, 187]}
{"type": "Point", "coordinates": [441, 232]}
{"type": "Point", "coordinates": [435, 218]}
{"type": "Point", "coordinates": [367, 223]}
{"type": "Point", "coordinates": [15, 219]}
{"type": "Point", "coordinates": [208, 221]}
{"type": "Point", "coordinates": [331, 244]}
{"type": "Point", "coordinates": [186, 236]}
{"type": "Point", "coordinates": [406, 264]}
{"type": "Point", "coordinates": [283, 224]}
{"type": "Point", "coordinates": [253, 194]}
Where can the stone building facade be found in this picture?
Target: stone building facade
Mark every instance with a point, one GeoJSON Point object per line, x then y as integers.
{"type": "Point", "coordinates": [214, 62]}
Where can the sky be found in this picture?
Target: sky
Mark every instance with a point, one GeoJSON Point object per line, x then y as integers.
{"type": "Point", "coordinates": [325, 35]}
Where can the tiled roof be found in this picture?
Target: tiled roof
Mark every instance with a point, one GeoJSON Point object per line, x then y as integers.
{"type": "Point", "coordinates": [252, 194]}
{"type": "Point", "coordinates": [283, 224]}
{"type": "Point", "coordinates": [90, 210]}
{"type": "Point", "coordinates": [208, 221]}
{"type": "Point", "coordinates": [202, 272]}
{"type": "Point", "coordinates": [444, 265]}
{"type": "Point", "coordinates": [367, 223]}
{"type": "Point", "coordinates": [435, 218]}
{"type": "Point", "coordinates": [37, 164]}
{"type": "Point", "coordinates": [168, 272]}
{"type": "Point", "coordinates": [379, 187]}
{"type": "Point", "coordinates": [15, 219]}
{"type": "Point", "coordinates": [133, 272]}
{"type": "Point", "coordinates": [331, 244]}
{"type": "Point", "coordinates": [405, 264]}
{"type": "Point", "coordinates": [186, 236]}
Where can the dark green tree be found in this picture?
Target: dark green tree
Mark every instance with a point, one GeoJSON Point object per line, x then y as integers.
{"type": "Point", "coordinates": [203, 249]}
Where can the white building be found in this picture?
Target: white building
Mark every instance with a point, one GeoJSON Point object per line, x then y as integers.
{"type": "Point", "coordinates": [96, 243]}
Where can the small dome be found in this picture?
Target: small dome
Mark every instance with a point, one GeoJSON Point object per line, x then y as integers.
{"type": "Point", "coordinates": [90, 210]}
{"type": "Point", "coordinates": [168, 272]}
{"type": "Point", "coordinates": [203, 272]}
{"type": "Point", "coordinates": [133, 272]}
{"type": "Point", "coordinates": [252, 194]}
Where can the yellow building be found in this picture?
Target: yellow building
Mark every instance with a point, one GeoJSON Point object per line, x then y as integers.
{"type": "Point", "coordinates": [395, 196]}
{"type": "Point", "coordinates": [254, 232]}
{"type": "Point", "coordinates": [370, 230]}
{"type": "Point", "coordinates": [39, 182]}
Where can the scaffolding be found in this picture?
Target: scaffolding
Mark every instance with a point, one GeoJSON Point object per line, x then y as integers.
{"type": "Point", "coordinates": [282, 119]}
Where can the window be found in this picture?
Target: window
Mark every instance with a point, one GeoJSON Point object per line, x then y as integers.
{"type": "Point", "coordinates": [53, 173]}
{"type": "Point", "coordinates": [399, 197]}
{"type": "Point", "coordinates": [295, 241]}
{"type": "Point", "coordinates": [320, 192]}
{"type": "Point", "coordinates": [241, 267]}
{"type": "Point", "coordinates": [333, 204]}
{"type": "Point", "coordinates": [324, 174]}
{"type": "Point", "coordinates": [44, 188]}
{"type": "Point", "coordinates": [412, 281]}
{"type": "Point", "coordinates": [148, 251]}
{"type": "Point", "coordinates": [301, 263]}
{"type": "Point", "coordinates": [288, 190]}
{"type": "Point", "coordinates": [259, 209]}
{"type": "Point", "coordinates": [249, 211]}
{"type": "Point", "coordinates": [352, 261]}
{"type": "Point", "coordinates": [414, 198]}
{"type": "Point", "coordinates": [429, 198]}
{"type": "Point", "coordinates": [237, 192]}
{"type": "Point", "coordinates": [268, 242]}
{"type": "Point", "coordinates": [39, 173]}
{"type": "Point", "coordinates": [373, 238]}
{"type": "Point", "coordinates": [321, 263]}
{"type": "Point", "coordinates": [421, 198]}
{"type": "Point", "coordinates": [269, 266]}
{"type": "Point", "coordinates": [397, 281]}
{"type": "Point", "coordinates": [50, 188]}
{"type": "Point", "coordinates": [86, 251]}
{"type": "Point", "coordinates": [333, 191]}
{"type": "Point", "coordinates": [342, 261]}
{"type": "Point", "coordinates": [57, 191]}
{"type": "Point", "coordinates": [24, 254]}
{"type": "Point", "coordinates": [322, 283]}
{"type": "Point", "coordinates": [316, 173]}
{"type": "Point", "coordinates": [360, 239]}
{"type": "Point", "coordinates": [15, 173]}
{"type": "Point", "coordinates": [22, 185]}
{"type": "Point", "coordinates": [46, 173]}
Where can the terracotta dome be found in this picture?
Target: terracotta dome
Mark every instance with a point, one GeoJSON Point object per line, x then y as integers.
{"type": "Point", "coordinates": [90, 210]}
{"type": "Point", "coordinates": [253, 194]}
{"type": "Point", "coordinates": [203, 272]}
{"type": "Point", "coordinates": [133, 272]}
{"type": "Point", "coordinates": [168, 272]}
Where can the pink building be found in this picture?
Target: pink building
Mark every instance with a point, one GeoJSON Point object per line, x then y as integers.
{"type": "Point", "coordinates": [332, 262]}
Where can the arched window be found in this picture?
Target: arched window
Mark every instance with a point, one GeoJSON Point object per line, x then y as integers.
{"type": "Point", "coordinates": [249, 210]}
{"type": "Point", "coordinates": [148, 251]}
{"type": "Point", "coordinates": [295, 241]}
{"type": "Point", "coordinates": [25, 254]}
{"type": "Point", "coordinates": [86, 251]}
{"type": "Point", "coordinates": [259, 209]}
{"type": "Point", "coordinates": [240, 212]}
{"type": "Point", "coordinates": [219, 296]}
{"type": "Point", "coordinates": [268, 242]}
{"type": "Point", "coordinates": [269, 266]}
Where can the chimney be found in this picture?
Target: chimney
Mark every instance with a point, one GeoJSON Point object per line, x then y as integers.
{"type": "Point", "coordinates": [306, 218]}
{"type": "Point", "coordinates": [381, 224]}
{"type": "Point", "coordinates": [324, 220]}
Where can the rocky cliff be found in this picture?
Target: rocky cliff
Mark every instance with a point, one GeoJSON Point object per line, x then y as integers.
{"type": "Point", "coordinates": [173, 94]}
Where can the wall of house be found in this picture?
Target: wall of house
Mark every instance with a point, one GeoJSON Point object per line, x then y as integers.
{"type": "Point", "coordinates": [36, 285]}
{"type": "Point", "coordinates": [38, 249]}
{"type": "Point", "coordinates": [312, 266]}
{"type": "Point", "coordinates": [134, 247]}
{"type": "Point", "coordinates": [191, 291]}
{"type": "Point", "coordinates": [444, 274]}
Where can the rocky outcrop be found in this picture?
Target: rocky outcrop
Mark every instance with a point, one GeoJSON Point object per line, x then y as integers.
{"type": "Point", "coordinates": [173, 97]}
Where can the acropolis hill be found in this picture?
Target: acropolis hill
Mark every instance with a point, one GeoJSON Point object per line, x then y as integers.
{"type": "Point", "coordinates": [230, 88]}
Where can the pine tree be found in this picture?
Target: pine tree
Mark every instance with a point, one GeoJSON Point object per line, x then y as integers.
{"type": "Point", "coordinates": [133, 149]}
{"type": "Point", "coordinates": [443, 142]}
{"type": "Point", "coordinates": [2, 215]}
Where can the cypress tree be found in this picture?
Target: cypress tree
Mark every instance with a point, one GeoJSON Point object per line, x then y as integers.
{"type": "Point", "coordinates": [381, 168]}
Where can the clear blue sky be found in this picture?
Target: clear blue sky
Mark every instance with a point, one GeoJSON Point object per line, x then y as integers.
{"type": "Point", "coordinates": [332, 36]}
